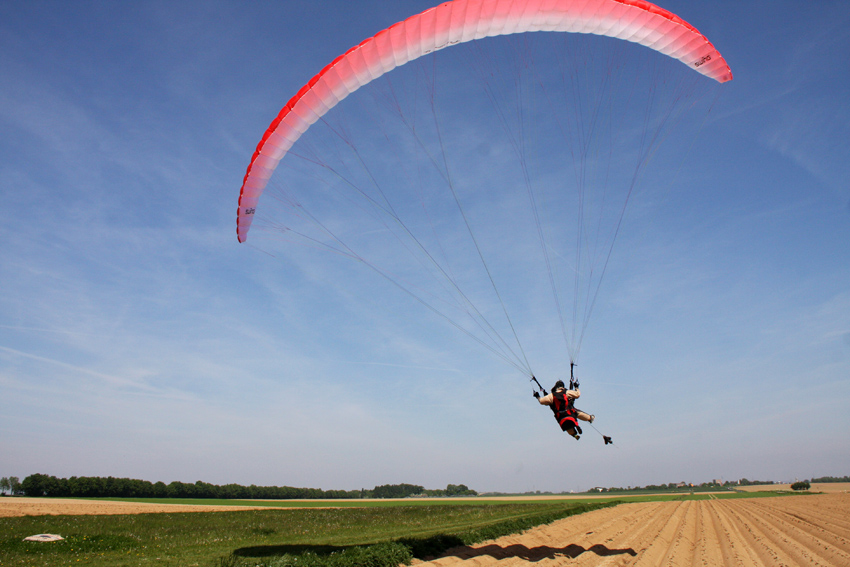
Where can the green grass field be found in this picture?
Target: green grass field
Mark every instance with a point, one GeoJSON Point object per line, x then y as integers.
{"type": "Point", "coordinates": [275, 537]}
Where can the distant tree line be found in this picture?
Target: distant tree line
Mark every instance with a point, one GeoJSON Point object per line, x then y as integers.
{"type": "Point", "coordinates": [745, 482]}
{"type": "Point", "coordinates": [94, 487]}
{"type": "Point", "coordinates": [459, 490]}
{"type": "Point", "coordinates": [824, 479]}
{"type": "Point", "coordinates": [679, 486]}
{"type": "Point", "coordinates": [714, 485]}
{"type": "Point", "coordinates": [397, 491]}
{"type": "Point", "coordinates": [408, 490]}
{"type": "Point", "coordinates": [673, 486]}
{"type": "Point", "coordinates": [10, 485]}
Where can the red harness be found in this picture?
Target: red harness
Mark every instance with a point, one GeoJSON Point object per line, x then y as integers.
{"type": "Point", "coordinates": [562, 407]}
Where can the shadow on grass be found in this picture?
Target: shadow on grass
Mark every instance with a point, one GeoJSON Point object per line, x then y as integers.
{"type": "Point", "coordinates": [432, 546]}
{"type": "Point", "coordinates": [280, 550]}
{"type": "Point", "coordinates": [445, 546]}
{"type": "Point", "coordinates": [420, 547]}
{"type": "Point", "coordinates": [535, 553]}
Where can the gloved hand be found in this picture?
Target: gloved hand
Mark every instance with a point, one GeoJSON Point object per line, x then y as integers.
{"type": "Point", "coordinates": [537, 395]}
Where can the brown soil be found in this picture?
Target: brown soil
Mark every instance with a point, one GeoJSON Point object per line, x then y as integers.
{"type": "Point", "coordinates": [794, 530]}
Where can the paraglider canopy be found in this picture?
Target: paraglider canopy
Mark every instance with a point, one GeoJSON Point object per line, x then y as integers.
{"type": "Point", "coordinates": [457, 22]}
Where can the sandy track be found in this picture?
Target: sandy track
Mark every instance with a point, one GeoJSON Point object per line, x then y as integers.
{"type": "Point", "coordinates": [796, 530]}
{"type": "Point", "coordinates": [71, 507]}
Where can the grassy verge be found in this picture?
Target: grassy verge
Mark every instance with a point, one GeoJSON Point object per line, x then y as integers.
{"type": "Point", "coordinates": [368, 536]}
{"type": "Point", "coordinates": [625, 496]}
{"type": "Point", "coordinates": [322, 503]}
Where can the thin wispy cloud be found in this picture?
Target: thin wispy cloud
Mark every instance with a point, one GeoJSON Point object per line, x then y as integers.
{"type": "Point", "coordinates": [139, 339]}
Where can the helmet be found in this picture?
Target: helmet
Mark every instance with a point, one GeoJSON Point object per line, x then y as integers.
{"type": "Point", "coordinates": [558, 384]}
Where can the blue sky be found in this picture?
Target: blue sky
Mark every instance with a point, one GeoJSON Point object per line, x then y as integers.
{"type": "Point", "coordinates": [139, 339]}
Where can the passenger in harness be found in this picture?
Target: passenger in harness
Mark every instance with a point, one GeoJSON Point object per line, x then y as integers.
{"type": "Point", "coordinates": [562, 401]}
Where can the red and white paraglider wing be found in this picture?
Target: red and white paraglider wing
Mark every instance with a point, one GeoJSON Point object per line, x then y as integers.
{"type": "Point", "coordinates": [456, 22]}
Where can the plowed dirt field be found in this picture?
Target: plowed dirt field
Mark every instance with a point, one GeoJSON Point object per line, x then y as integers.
{"type": "Point", "coordinates": [792, 530]}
